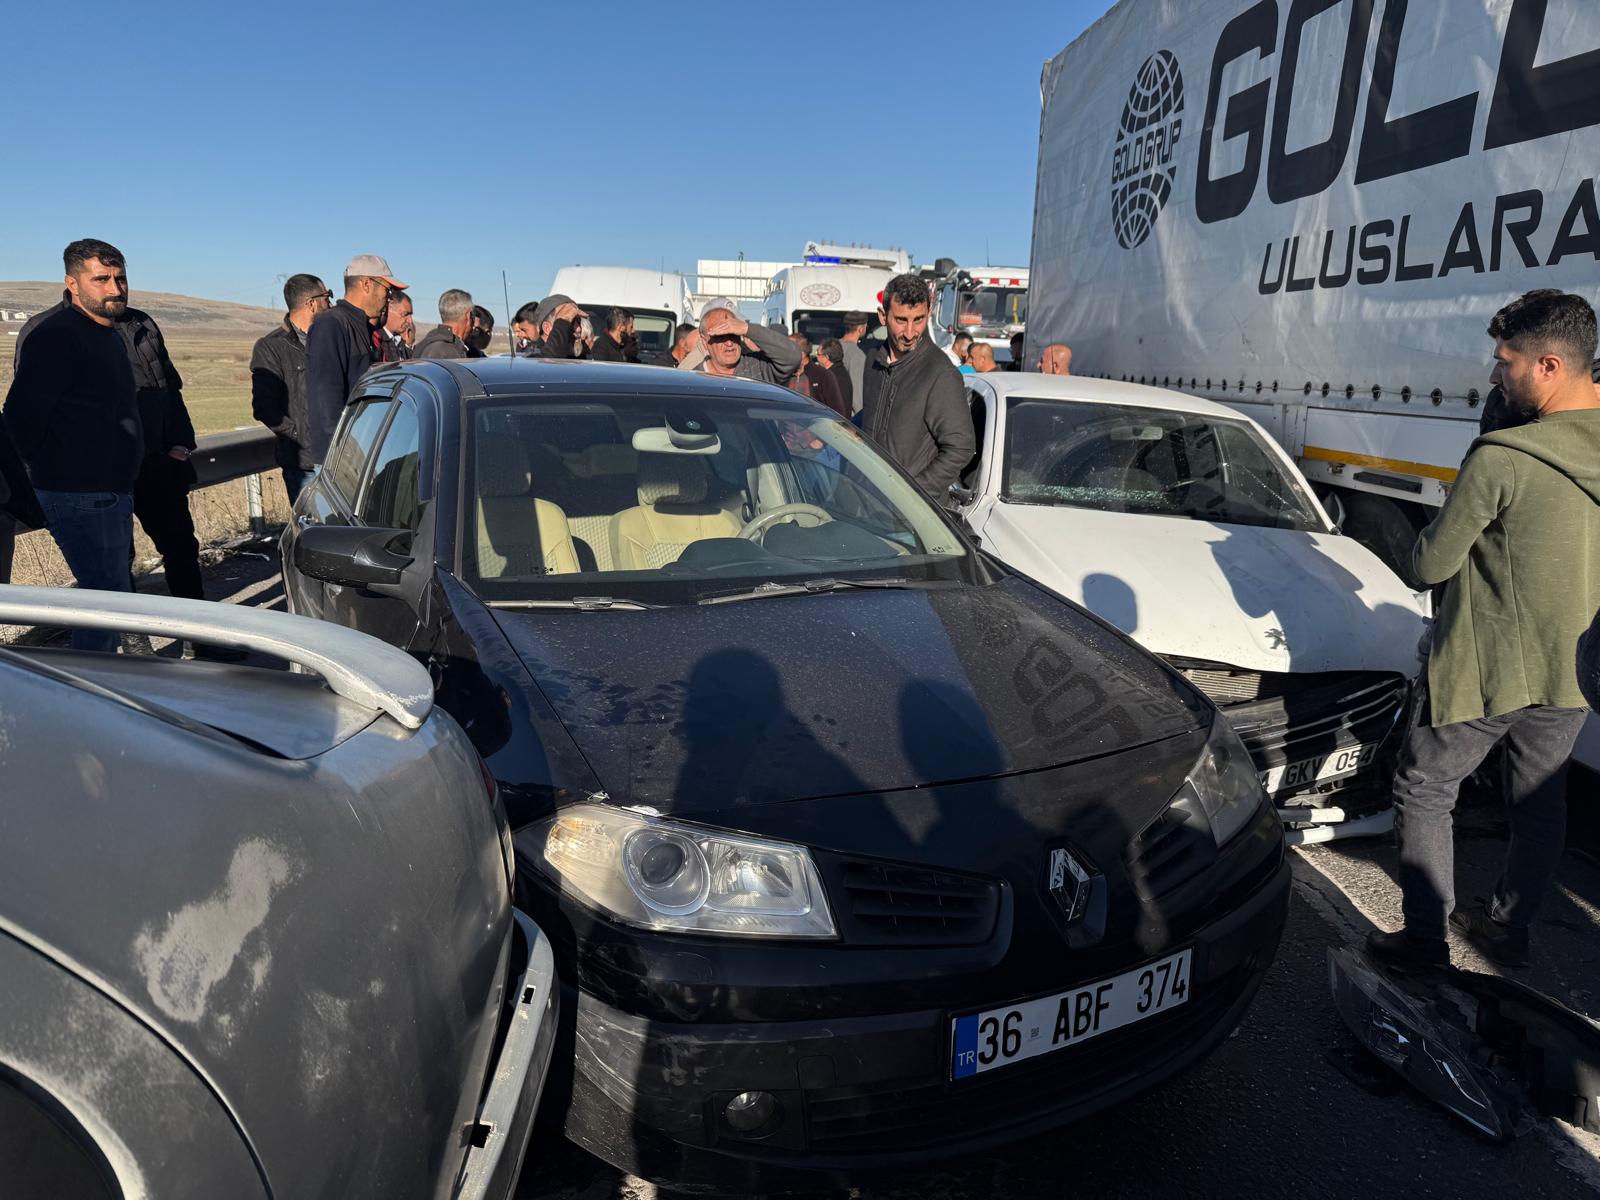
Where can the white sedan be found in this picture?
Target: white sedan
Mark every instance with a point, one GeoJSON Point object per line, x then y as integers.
{"type": "Point", "coordinates": [1184, 525]}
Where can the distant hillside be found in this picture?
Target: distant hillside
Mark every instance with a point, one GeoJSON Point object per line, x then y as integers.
{"type": "Point", "coordinates": [178, 315]}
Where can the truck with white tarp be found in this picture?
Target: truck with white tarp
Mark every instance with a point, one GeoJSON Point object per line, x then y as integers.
{"type": "Point", "coordinates": [1309, 210]}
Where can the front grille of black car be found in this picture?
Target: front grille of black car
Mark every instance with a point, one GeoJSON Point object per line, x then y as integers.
{"type": "Point", "coordinates": [918, 1114]}
{"type": "Point", "coordinates": [1170, 851]}
{"type": "Point", "coordinates": [901, 904]}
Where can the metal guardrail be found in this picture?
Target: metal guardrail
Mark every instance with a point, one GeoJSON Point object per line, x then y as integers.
{"type": "Point", "coordinates": [237, 454]}
{"type": "Point", "coordinates": [222, 457]}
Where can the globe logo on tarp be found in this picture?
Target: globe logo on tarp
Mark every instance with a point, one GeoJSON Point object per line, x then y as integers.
{"type": "Point", "coordinates": [1144, 160]}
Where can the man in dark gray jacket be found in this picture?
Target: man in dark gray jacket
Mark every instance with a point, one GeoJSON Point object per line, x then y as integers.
{"type": "Point", "coordinates": [278, 380]}
{"type": "Point", "coordinates": [914, 406]}
{"type": "Point", "coordinates": [448, 339]}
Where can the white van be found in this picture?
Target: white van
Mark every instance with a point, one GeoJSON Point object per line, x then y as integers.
{"type": "Point", "coordinates": [658, 300]}
{"type": "Point", "coordinates": [813, 298]}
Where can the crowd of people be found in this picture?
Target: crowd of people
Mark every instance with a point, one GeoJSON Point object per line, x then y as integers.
{"type": "Point", "coordinates": [95, 432]}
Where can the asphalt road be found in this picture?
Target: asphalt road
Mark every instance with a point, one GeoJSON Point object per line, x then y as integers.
{"type": "Point", "coordinates": [1267, 1115]}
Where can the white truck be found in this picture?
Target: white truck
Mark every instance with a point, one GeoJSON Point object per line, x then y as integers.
{"type": "Point", "coordinates": [1310, 209]}
{"type": "Point", "coordinates": [658, 300]}
{"type": "Point", "coordinates": [989, 303]}
{"type": "Point", "coordinates": [831, 280]}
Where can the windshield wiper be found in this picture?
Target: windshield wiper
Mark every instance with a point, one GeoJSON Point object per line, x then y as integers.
{"type": "Point", "coordinates": [815, 587]}
{"type": "Point", "coordinates": [581, 603]}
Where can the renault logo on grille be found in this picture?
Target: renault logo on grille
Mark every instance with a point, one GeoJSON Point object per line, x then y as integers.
{"type": "Point", "coordinates": [1070, 884]}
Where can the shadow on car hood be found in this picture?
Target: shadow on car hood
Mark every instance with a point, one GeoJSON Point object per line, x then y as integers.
{"type": "Point", "coordinates": [1254, 598]}
{"type": "Point", "coordinates": [698, 708]}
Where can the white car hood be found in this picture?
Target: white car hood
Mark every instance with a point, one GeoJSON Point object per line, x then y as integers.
{"type": "Point", "coordinates": [1258, 599]}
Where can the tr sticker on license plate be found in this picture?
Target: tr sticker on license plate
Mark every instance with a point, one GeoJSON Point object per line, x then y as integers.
{"type": "Point", "coordinates": [1319, 769]}
{"type": "Point", "coordinates": [984, 1041]}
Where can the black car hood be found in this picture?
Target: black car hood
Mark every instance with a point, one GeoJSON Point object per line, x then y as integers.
{"type": "Point", "coordinates": [699, 708]}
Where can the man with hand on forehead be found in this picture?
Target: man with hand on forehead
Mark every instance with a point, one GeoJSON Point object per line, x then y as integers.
{"type": "Point", "coordinates": [735, 348]}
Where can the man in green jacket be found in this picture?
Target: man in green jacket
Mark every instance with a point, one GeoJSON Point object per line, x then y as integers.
{"type": "Point", "coordinates": [1517, 546]}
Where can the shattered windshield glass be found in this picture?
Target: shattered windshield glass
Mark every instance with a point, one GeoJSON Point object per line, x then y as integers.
{"type": "Point", "coordinates": [1127, 459]}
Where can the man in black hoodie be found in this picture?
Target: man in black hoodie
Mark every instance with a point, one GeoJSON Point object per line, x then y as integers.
{"type": "Point", "coordinates": [915, 407]}
{"type": "Point", "coordinates": [73, 412]}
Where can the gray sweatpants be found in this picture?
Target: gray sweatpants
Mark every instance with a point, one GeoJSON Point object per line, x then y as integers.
{"type": "Point", "coordinates": [1433, 764]}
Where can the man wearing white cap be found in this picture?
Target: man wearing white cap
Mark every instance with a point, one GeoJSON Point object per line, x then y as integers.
{"type": "Point", "coordinates": [342, 344]}
{"type": "Point", "coordinates": [731, 346]}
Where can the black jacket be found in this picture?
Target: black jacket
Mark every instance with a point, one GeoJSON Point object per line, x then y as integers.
{"type": "Point", "coordinates": [163, 416]}
{"type": "Point", "coordinates": [916, 410]}
{"type": "Point", "coordinates": [439, 342]}
{"type": "Point", "coordinates": [846, 388]}
{"type": "Point", "coordinates": [607, 350]}
{"type": "Point", "coordinates": [825, 388]}
{"type": "Point", "coordinates": [339, 349]}
{"type": "Point", "coordinates": [73, 410]}
{"type": "Point", "coordinates": [278, 393]}
{"type": "Point", "coordinates": [391, 348]}
{"type": "Point", "coordinates": [16, 492]}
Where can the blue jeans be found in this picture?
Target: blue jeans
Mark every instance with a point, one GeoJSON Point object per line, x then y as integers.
{"type": "Point", "coordinates": [95, 533]}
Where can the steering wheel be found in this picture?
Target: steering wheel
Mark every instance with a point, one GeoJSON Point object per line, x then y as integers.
{"type": "Point", "coordinates": [759, 525]}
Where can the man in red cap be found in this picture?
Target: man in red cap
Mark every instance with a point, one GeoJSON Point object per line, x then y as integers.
{"type": "Point", "coordinates": [342, 344]}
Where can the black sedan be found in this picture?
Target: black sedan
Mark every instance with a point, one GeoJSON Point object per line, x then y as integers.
{"type": "Point", "coordinates": [856, 848]}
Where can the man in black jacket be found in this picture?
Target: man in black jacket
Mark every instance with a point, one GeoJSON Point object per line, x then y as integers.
{"type": "Point", "coordinates": [914, 405]}
{"type": "Point", "coordinates": [161, 491]}
{"type": "Point", "coordinates": [447, 339]}
{"type": "Point", "coordinates": [608, 347]}
{"type": "Point", "coordinates": [73, 411]}
{"type": "Point", "coordinates": [278, 380]}
{"type": "Point", "coordinates": [342, 345]}
{"type": "Point", "coordinates": [18, 504]}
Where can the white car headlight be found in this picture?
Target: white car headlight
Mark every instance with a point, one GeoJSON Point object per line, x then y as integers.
{"type": "Point", "coordinates": [1224, 783]}
{"type": "Point", "coordinates": [659, 874]}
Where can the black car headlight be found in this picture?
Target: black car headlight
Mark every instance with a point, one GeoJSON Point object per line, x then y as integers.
{"type": "Point", "coordinates": [1223, 784]}
{"type": "Point", "coordinates": [658, 874]}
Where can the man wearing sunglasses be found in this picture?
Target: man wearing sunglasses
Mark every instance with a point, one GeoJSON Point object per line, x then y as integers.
{"type": "Point", "coordinates": [734, 347]}
{"type": "Point", "coordinates": [278, 380]}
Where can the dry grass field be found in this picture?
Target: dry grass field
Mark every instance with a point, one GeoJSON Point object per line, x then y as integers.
{"type": "Point", "coordinates": [216, 376]}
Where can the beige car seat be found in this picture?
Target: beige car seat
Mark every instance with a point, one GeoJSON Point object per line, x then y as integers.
{"type": "Point", "coordinates": [517, 534]}
{"type": "Point", "coordinates": [672, 513]}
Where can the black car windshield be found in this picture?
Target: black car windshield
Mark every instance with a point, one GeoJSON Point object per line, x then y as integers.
{"type": "Point", "coordinates": [653, 328]}
{"type": "Point", "coordinates": [670, 499]}
{"type": "Point", "coordinates": [1152, 461]}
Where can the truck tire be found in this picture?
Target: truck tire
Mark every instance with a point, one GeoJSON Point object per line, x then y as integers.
{"type": "Point", "coordinates": [1386, 527]}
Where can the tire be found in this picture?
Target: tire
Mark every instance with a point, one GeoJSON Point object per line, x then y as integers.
{"type": "Point", "coordinates": [1386, 527]}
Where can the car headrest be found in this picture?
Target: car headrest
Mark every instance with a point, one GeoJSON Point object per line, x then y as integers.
{"type": "Point", "coordinates": [671, 479]}
{"type": "Point", "coordinates": [502, 468]}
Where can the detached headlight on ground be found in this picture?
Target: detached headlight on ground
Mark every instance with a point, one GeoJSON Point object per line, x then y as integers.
{"type": "Point", "coordinates": [662, 875]}
{"type": "Point", "coordinates": [1223, 784]}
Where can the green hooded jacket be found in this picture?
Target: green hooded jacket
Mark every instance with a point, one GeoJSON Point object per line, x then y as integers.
{"type": "Point", "coordinates": [1518, 546]}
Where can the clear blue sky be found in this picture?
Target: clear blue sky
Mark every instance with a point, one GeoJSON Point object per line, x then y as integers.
{"type": "Point", "coordinates": [221, 145]}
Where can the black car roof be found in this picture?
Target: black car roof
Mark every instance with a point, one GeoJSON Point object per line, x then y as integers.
{"type": "Point", "coordinates": [549, 378]}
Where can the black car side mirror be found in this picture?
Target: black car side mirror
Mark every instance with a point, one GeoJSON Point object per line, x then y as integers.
{"type": "Point", "coordinates": [352, 555]}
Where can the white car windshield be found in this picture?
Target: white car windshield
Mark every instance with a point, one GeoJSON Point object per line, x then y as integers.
{"type": "Point", "coordinates": [1126, 459]}
{"type": "Point", "coordinates": [667, 499]}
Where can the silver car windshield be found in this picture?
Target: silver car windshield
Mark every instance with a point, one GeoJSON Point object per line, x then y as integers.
{"type": "Point", "coordinates": [1128, 459]}
{"type": "Point", "coordinates": [665, 499]}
